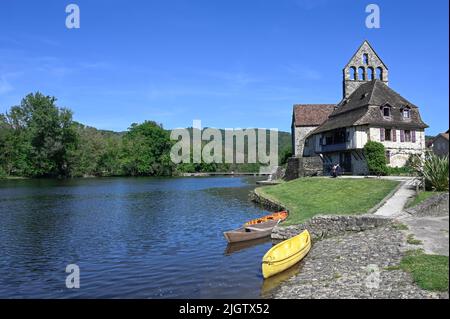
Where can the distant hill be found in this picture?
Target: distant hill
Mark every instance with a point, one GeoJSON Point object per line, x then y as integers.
{"type": "Point", "coordinates": [97, 136]}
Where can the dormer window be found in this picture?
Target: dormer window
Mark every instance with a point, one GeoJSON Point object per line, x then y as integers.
{"type": "Point", "coordinates": [386, 111]}
{"type": "Point", "coordinates": [406, 113]}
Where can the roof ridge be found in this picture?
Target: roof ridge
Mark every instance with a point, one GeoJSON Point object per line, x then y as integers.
{"type": "Point", "coordinates": [375, 81]}
{"type": "Point", "coordinates": [313, 104]}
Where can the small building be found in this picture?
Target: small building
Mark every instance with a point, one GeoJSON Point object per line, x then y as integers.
{"type": "Point", "coordinates": [439, 144]}
{"type": "Point", "coordinates": [369, 111]}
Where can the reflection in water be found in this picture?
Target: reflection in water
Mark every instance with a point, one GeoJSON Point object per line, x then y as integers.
{"type": "Point", "coordinates": [235, 247]}
{"type": "Point", "coordinates": [273, 282]}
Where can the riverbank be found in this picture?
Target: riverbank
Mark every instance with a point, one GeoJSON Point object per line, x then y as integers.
{"type": "Point", "coordinates": [356, 265]}
{"type": "Point", "coordinates": [367, 255]}
{"type": "Point", "coordinates": [199, 174]}
{"type": "Point", "coordinates": [305, 198]}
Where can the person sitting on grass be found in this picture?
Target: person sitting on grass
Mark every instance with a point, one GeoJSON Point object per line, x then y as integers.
{"type": "Point", "coordinates": [334, 171]}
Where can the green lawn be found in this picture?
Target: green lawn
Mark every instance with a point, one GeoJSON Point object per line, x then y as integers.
{"type": "Point", "coordinates": [421, 197]}
{"type": "Point", "coordinates": [430, 272]}
{"type": "Point", "coordinates": [306, 197]}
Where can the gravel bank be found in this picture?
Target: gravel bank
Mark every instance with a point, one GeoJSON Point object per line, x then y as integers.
{"type": "Point", "coordinates": [353, 265]}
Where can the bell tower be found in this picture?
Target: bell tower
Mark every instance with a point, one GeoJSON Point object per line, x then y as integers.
{"type": "Point", "coordinates": [363, 67]}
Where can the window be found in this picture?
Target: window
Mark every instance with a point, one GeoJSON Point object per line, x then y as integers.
{"type": "Point", "coordinates": [387, 134]}
{"type": "Point", "coordinates": [386, 111]}
{"type": "Point", "coordinates": [361, 75]}
{"type": "Point", "coordinates": [379, 72]}
{"type": "Point", "coordinates": [388, 157]}
{"type": "Point", "coordinates": [407, 136]}
{"type": "Point", "coordinates": [352, 73]}
{"type": "Point", "coordinates": [406, 113]}
{"type": "Point", "coordinates": [370, 72]}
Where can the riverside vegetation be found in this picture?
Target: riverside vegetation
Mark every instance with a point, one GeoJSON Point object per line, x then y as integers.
{"type": "Point", "coordinates": [40, 139]}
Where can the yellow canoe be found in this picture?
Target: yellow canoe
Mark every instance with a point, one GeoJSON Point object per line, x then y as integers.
{"type": "Point", "coordinates": [286, 254]}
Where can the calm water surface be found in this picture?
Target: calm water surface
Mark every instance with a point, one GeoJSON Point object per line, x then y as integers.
{"type": "Point", "coordinates": [131, 238]}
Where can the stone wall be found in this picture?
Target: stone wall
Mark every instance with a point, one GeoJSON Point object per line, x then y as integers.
{"type": "Point", "coordinates": [264, 202]}
{"type": "Point", "coordinates": [327, 226]}
{"type": "Point", "coordinates": [310, 166]}
{"type": "Point", "coordinates": [292, 168]}
{"type": "Point", "coordinates": [303, 166]}
{"type": "Point", "coordinates": [300, 134]}
{"type": "Point", "coordinates": [440, 146]}
{"type": "Point", "coordinates": [321, 226]}
{"type": "Point", "coordinates": [277, 173]}
{"type": "Point", "coordinates": [369, 68]}
{"type": "Point", "coordinates": [434, 206]}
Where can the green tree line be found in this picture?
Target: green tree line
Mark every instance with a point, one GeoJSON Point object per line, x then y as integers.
{"type": "Point", "coordinates": [40, 139]}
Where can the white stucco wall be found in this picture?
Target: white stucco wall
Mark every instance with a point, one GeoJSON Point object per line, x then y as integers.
{"type": "Point", "coordinates": [400, 151]}
{"type": "Point", "coordinates": [360, 136]}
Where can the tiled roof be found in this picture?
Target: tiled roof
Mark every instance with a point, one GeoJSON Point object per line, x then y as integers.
{"type": "Point", "coordinates": [363, 107]}
{"type": "Point", "coordinates": [311, 114]}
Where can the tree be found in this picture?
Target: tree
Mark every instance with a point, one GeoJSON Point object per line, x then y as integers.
{"type": "Point", "coordinates": [98, 152]}
{"type": "Point", "coordinates": [285, 154]}
{"type": "Point", "coordinates": [376, 158]}
{"type": "Point", "coordinates": [43, 137]}
{"type": "Point", "coordinates": [146, 150]}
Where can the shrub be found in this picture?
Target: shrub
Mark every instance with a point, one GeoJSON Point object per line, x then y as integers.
{"type": "Point", "coordinates": [405, 170]}
{"type": "Point", "coordinates": [435, 171]}
{"type": "Point", "coordinates": [284, 155]}
{"type": "Point", "coordinates": [376, 158]}
{"type": "Point", "coordinates": [2, 173]}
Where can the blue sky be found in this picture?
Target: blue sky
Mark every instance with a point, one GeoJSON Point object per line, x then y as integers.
{"type": "Point", "coordinates": [229, 63]}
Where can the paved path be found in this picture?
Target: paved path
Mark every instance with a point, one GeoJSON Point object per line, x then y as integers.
{"type": "Point", "coordinates": [432, 231]}
{"type": "Point", "coordinates": [394, 206]}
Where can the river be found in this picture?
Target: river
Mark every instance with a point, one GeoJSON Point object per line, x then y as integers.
{"type": "Point", "coordinates": [130, 237]}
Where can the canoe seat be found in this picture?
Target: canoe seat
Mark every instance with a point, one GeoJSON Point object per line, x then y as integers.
{"type": "Point", "coordinates": [257, 229]}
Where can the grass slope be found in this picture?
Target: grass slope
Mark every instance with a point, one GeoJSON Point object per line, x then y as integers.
{"type": "Point", "coordinates": [430, 272]}
{"type": "Point", "coordinates": [306, 197]}
{"type": "Point", "coordinates": [421, 197]}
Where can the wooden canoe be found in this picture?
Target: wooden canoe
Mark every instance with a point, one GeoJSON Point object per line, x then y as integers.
{"type": "Point", "coordinates": [286, 254]}
{"type": "Point", "coordinates": [250, 232]}
{"type": "Point", "coordinates": [275, 216]}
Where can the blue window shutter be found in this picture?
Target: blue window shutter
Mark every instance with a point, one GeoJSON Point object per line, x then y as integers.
{"type": "Point", "coordinates": [382, 134]}
{"type": "Point", "coordinates": [402, 135]}
{"type": "Point", "coordinates": [413, 136]}
{"type": "Point", "coordinates": [394, 135]}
